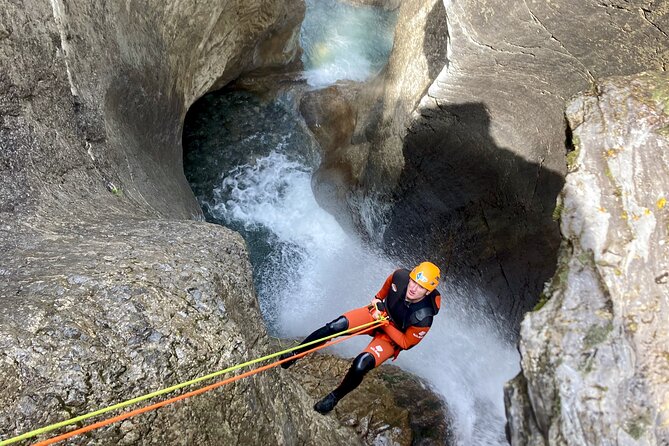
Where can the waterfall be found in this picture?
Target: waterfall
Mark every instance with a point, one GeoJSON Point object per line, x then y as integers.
{"type": "Point", "coordinates": [342, 41]}
{"type": "Point", "coordinates": [250, 165]}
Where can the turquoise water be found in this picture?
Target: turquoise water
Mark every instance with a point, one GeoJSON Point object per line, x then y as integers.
{"type": "Point", "coordinates": [341, 41]}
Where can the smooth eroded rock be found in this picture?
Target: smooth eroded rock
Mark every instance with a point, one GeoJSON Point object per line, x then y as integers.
{"type": "Point", "coordinates": [468, 147]}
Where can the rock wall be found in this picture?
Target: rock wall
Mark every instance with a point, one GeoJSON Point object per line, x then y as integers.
{"type": "Point", "coordinates": [94, 94]}
{"type": "Point", "coordinates": [467, 135]}
{"type": "Point", "coordinates": [111, 311]}
{"type": "Point", "coordinates": [107, 290]}
{"type": "Point", "coordinates": [595, 356]}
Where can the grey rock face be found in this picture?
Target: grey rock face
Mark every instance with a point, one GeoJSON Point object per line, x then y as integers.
{"type": "Point", "coordinates": [121, 309]}
{"type": "Point", "coordinates": [595, 357]}
{"type": "Point", "coordinates": [94, 94]}
{"type": "Point", "coordinates": [107, 291]}
{"type": "Point", "coordinates": [390, 407]}
{"type": "Point", "coordinates": [470, 143]}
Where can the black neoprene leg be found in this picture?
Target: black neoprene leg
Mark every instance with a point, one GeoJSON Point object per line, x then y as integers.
{"type": "Point", "coordinates": [336, 326]}
{"type": "Point", "coordinates": [362, 364]}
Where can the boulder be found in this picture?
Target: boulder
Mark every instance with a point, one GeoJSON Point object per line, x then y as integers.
{"type": "Point", "coordinates": [391, 406]}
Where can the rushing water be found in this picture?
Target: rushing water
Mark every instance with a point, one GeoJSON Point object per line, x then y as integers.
{"type": "Point", "coordinates": [341, 41]}
{"type": "Point", "coordinates": [250, 165]}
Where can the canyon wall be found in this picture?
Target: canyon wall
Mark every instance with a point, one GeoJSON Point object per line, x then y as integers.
{"type": "Point", "coordinates": [109, 286]}
{"type": "Point", "coordinates": [595, 355]}
{"type": "Point", "coordinates": [464, 133]}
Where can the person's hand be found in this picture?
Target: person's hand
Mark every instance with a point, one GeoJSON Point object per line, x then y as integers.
{"type": "Point", "coordinates": [376, 309]}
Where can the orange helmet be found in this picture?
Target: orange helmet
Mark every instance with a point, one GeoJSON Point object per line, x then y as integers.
{"type": "Point", "coordinates": [426, 275]}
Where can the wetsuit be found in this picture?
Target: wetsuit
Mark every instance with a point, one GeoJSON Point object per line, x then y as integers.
{"type": "Point", "coordinates": [409, 322]}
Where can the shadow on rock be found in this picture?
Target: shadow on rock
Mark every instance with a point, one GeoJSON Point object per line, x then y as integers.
{"type": "Point", "coordinates": [476, 208]}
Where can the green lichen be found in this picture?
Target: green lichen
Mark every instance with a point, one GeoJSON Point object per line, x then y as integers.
{"type": "Point", "coordinates": [661, 96]}
{"type": "Point", "coordinates": [586, 258]}
{"type": "Point", "coordinates": [561, 275]}
{"type": "Point", "coordinates": [557, 212]}
{"type": "Point", "coordinates": [597, 334]}
{"type": "Point", "coordinates": [664, 131]}
{"type": "Point", "coordinates": [111, 187]}
{"type": "Point", "coordinates": [587, 365]}
{"type": "Point", "coordinates": [543, 298]}
{"type": "Point", "coordinates": [556, 283]}
{"type": "Point", "coordinates": [572, 157]}
{"type": "Point", "coordinates": [636, 427]}
{"type": "Point", "coordinates": [559, 280]}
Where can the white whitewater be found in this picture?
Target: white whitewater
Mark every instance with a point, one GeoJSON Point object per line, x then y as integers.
{"type": "Point", "coordinates": [318, 271]}
{"type": "Point", "coordinates": [308, 270]}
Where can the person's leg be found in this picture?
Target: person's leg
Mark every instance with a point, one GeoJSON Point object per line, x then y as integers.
{"type": "Point", "coordinates": [353, 318]}
{"type": "Point", "coordinates": [379, 350]}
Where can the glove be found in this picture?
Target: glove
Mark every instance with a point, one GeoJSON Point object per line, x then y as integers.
{"type": "Point", "coordinates": [377, 308]}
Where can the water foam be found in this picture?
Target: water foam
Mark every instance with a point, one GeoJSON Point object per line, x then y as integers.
{"type": "Point", "coordinates": [308, 270]}
{"type": "Point", "coordinates": [316, 271]}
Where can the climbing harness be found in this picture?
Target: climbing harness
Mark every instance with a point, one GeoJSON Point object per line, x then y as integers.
{"type": "Point", "coordinates": [34, 433]}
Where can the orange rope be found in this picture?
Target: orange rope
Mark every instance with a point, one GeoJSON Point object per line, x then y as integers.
{"type": "Point", "coordinates": [151, 407]}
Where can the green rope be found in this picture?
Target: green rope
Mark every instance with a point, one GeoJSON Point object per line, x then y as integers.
{"type": "Point", "coordinates": [138, 399]}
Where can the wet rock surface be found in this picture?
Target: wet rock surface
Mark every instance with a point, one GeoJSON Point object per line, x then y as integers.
{"type": "Point", "coordinates": [390, 406]}
{"type": "Point", "coordinates": [595, 356]}
{"type": "Point", "coordinates": [109, 288]}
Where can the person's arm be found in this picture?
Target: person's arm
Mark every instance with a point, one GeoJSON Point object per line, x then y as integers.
{"type": "Point", "coordinates": [380, 296]}
{"type": "Point", "coordinates": [383, 292]}
{"type": "Point", "coordinates": [408, 339]}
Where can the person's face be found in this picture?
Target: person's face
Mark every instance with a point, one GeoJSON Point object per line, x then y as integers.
{"type": "Point", "coordinates": [415, 292]}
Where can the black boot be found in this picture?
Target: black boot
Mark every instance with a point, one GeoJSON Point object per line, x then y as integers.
{"type": "Point", "coordinates": [326, 404]}
{"type": "Point", "coordinates": [362, 364]}
{"type": "Point", "coordinates": [285, 365]}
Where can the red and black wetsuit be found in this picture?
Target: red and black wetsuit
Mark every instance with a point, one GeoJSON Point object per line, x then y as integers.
{"type": "Point", "coordinates": [409, 322]}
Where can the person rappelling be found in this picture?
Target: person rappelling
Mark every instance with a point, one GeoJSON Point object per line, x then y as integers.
{"type": "Point", "coordinates": [408, 299]}
{"type": "Point", "coordinates": [400, 316]}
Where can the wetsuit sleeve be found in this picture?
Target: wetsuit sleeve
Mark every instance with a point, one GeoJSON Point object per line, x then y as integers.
{"type": "Point", "coordinates": [383, 292]}
{"type": "Point", "coordinates": [408, 339]}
